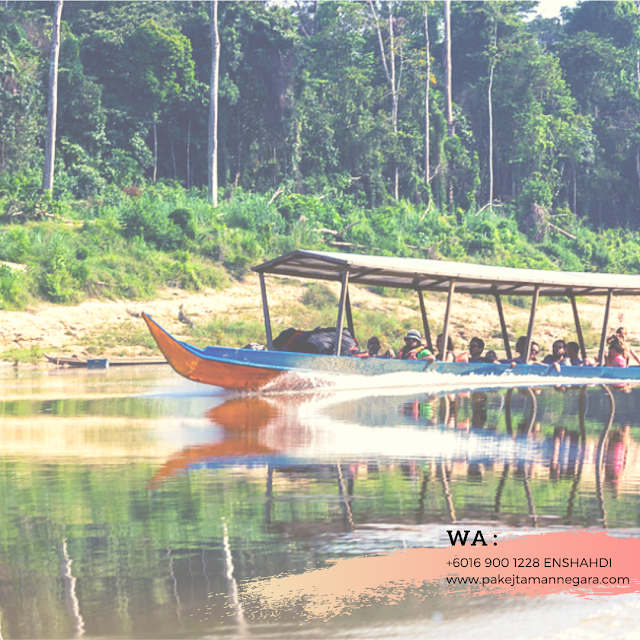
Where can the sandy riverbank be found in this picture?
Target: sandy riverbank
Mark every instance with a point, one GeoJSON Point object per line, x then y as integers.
{"type": "Point", "coordinates": [62, 330]}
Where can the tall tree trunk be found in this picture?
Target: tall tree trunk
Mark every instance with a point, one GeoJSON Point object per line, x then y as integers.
{"type": "Point", "coordinates": [213, 106]}
{"type": "Point", "coordinates": [392, 79]}
{"type": "Point", "coordinates": [637, 5]}
{"type": "Point", "coordinates": [189, 154]}
{"type": "Point", "coordinates": [155, 148]}
{"type": "Point", "coordinates": [575, 188]}
{"type": "Point", "coordinates": [239, 151]}
{"type": "Point", "coordinates": [394, 98]}
{"type": "Point", "coordinates": [447, 81]}
{"type": "Point", "coordinates": [52, 103]}
{"type": "Point", "coordinates": [447, 70]}
{"type": "Point", "coordinates": [490, 98]}
{"type": "Point", "coordinates": [173, 159]}
{"type": "Point", "coordinates": [427, 160]}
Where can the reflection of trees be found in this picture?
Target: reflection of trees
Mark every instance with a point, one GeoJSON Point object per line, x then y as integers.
{"type": "Point", "coordinates": [579, 457]}
{"type": "Point", "coordinates": [164, 554]}
{"type": "Point", "coordinates": [601, 461]}
{"type": "Point", "coordinates": [562, 453]}
{"type": "Point", "coordinates": [70, 590]}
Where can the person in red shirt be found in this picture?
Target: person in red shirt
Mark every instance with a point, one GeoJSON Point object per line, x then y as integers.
{"type": "Point", "coordinates": [616, 355]}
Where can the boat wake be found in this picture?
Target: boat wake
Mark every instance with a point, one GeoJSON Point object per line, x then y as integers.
{"type": "Point", "coordinates": [432, 381]}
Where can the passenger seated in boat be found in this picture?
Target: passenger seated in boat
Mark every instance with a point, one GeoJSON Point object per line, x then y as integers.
{"type": "Point", "coordinates": [450, 355]}
{"type": "Point", "coordinates": [621, 332]}
{"type": "Point", "coordinates": [373, 347]}
{"type": "Point", "coordinates": [557, 354]}
{"type": "Point", "coordinates": [476, 347]}
{"type": "Point", "coordinates": [491, 357]}
{"type": "Point", "coordinates": [521, 345]}
{"type": "Point", "coordinates": [533, 355]}
{"type": "Point", "coordinates": [373, 350]}
{"type": "Point", "coordinates": [414, 349]}
{"type": "Point", "coordinates": [535, 350]}
{"type": "Point", "coordinates": [616, 355]}
{"type": "Point", "coordinates": [572, 355]}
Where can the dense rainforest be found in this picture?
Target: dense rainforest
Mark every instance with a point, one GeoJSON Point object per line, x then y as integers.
{"type": "Point", "coordinates": [460, 130]}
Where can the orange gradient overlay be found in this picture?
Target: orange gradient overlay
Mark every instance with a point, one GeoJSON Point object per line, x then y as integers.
{"type": "Point", "coordinates": [583, 564]}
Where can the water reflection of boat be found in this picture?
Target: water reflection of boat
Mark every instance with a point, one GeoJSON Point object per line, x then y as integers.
{"type": "Point", "coordinates": [464, 454]}
{"type": "Point", "coordinates": [241, 419]}
{"type": "Point", "coordinates": [249, 370]}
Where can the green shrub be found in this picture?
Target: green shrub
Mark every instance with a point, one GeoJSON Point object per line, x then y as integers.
{"type": "Point", "coordinates": [15, 244]}
{"type": "Point", "coordinates": [11, 287]}
{"type": "Point", "coordinates": [184, 220]}
{"type": "Point", "coordinates": [238, 250]}
{"type": "Point", "coordinates": [21, 186]}
{"type": "Point", "coordinates": [562, 255]}
{"type": "Point", "coordinates": [321, 211]}
{"type": "Point", "coordinates": [253, 212]}
{"type": "Point", "coordinates": [87, 181]}
{"type": "Point", "coordinates": [536, 190]}
{"type": "Point", "coordinates": [55, 280]}
{"type": "Point", "coordinates": [141, 218]}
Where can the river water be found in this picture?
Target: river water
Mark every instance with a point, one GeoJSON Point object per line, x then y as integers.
{"type": "Point", "coordinates": [135, 504]}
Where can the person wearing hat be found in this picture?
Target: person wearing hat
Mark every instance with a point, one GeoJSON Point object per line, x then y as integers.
{"type": "Point", "coordinates": [414, 349]}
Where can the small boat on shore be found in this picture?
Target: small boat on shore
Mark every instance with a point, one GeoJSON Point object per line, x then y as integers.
{"type": "Point", "coordinates": [250, 370]}
{"type": "Point", "coordinates": [101, 363]}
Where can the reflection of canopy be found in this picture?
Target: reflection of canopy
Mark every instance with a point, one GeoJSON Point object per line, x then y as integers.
{"type": "Point", "coordinates": [435, 275]}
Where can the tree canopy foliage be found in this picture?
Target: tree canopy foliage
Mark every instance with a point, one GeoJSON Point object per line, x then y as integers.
{"type": "Point", "coordinates": [324, 103]}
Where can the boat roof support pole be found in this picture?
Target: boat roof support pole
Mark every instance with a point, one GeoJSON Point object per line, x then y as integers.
{"type": "Point", "coordinates": [532, 318]}
{"type": "Point", "coordinates": [340, 322]}
{"type": "Point", "coordinates": [576, 317]}
{"type": "Point", "coordinates": [352, 331]}
{"type": "Point", "coordinates": [425, 320]}
{"type": "Point", "coordinates": [605, 328]}
{"type": "Point", "coordinates": [503, 326]}
{"type": "Point", "coordinates": [447, 315]}
{"type": "Point", "coordinates": [265, 311]}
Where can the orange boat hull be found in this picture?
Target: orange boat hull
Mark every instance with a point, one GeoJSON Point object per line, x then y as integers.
{"type": "Point", "coordinates": [221, 374]}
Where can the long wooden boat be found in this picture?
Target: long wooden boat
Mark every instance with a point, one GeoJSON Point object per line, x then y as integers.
{"type": "Point", "coordinates": [246, 369]}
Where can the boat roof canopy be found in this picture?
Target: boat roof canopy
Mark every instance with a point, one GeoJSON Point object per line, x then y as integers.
{"type": "Point", "coordinates": [436, 275]}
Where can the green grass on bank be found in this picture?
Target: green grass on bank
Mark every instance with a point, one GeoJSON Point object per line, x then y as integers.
{"type": "Point", "coordinates": [129, 244]}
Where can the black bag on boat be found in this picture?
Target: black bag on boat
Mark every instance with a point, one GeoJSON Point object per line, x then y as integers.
{"type": "Point", "coordinates": [322, 340]}
{"type": "Point", "coordinates": [319, 341]}
{"type": "Point", "coordinates": [286, 339]}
